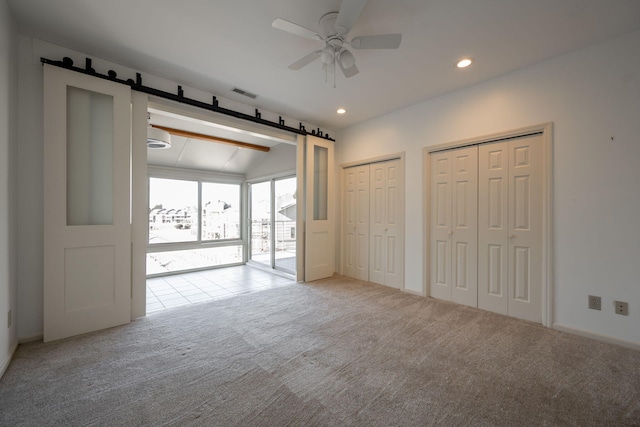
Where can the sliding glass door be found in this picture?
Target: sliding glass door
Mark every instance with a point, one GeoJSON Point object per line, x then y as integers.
{"type": "Point", "coordinates": [285, 224]}
{"type": "Point", "coordinates": [273, 223]}
{"type": "Point", "coordinates": [261, 222]}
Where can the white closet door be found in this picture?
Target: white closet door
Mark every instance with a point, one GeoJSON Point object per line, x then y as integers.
{"type": "Point", "coordinates": [464, 237]}
{"type": "Point", "coordinates": [378, 221]}
{"type": "Point", "coordinates": [440, 230]}
{"type": "Point", "coordinates": [394, 242]}
{"type": "Point", "coordinates": [454, 217]}
{"type": "Point", "coordinates": [356, 222]}
{"type": "Point", "coordinates": [493, 228]}
{"type": "Point", "coordinates": [510, 228]}
{"type": "Point", "coordinates": [386, 242]}
{"type": "Point", "coordinates": [525, 228]}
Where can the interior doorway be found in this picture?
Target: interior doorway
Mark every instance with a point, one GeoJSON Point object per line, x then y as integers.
{"type": "Point", "coordinates": [199, 235]}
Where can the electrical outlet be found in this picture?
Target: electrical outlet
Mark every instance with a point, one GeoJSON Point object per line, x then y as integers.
{"type": "Point", "coordinates": [595, 303]}
{"type": "Point", "coordinates": [9, 318]}
{"type": "Point", "coordinates": [621, 307]}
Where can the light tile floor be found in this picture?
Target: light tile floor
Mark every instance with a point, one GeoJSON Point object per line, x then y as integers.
{"type": "Point", "coordinates": [190, 288]}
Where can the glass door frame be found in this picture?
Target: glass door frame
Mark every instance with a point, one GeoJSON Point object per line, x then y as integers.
{"type": "Point", "coordinates": [272, 220]}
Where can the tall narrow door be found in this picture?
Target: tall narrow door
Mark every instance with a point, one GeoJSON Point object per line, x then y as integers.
{"type": "Point", "coordinates": [320, 224]}
{"type": "Point", "coordinates": [440, 228]}
{"type": "Point", "coordinates": [464, 236]}
{"type": "Point", "coordinates": [386, 252]}
{"type": "Point", "coordinates": [454, 201]}
{"type": "Point", "coordinates": [510, 224]}
{"type": "Point", "coordinates": [356, 222]}
{"type": "Point", "coordinates": [87, 245]}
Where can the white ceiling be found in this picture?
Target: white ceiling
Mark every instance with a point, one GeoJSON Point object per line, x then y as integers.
{"type": "Point", "coordinates": [194, 153]}
{"type": "Point", "coordinates": [218, 44]}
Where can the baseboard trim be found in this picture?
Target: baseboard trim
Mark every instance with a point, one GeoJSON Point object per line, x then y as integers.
{"type": "Point", "coordinates": [8, 359]}
{"type": "Point", "coordinates": [596, 336]}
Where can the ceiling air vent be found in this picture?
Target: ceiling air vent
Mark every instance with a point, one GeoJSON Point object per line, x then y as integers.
{"type": "Point", "coordinates": [244, 92]}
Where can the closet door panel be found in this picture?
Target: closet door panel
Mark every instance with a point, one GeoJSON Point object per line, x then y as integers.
{"type": "Point", "coordinates": [440, 228]}
{"type": "Point", "coordinates": [525, 219]}
{"type": "Point", "coordinates": [349, 222]}
{"type": "Point", "coordinates": [393, 227]}
{"type": "Point", "coordinates": [356, 222]}
{"type": "Point", "coordinates": [464, 235]}
{"type": "Point", "coordinates": [493, 215]}
{"type": "Point", "coordinates": [378, 222]}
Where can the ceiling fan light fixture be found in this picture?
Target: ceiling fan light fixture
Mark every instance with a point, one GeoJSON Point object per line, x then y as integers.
{"type": "Point", "coordinates": [158, 138]}
{"type": "Point", "coordinates": [341, 110]}
{"type": "Point", "coordinates": [328, 55]}
{"type": "Point", "coordinates": [464, 62]}
{"type": "Point", "coordinates": [347, 59]}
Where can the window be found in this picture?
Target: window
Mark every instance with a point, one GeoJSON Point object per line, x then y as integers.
{"type": "Point", "coordinates": [173, 210]}
{"type": "Point", "coordinates": [193, 224]}
{"type": "Point", "coordinates": [220, 211]}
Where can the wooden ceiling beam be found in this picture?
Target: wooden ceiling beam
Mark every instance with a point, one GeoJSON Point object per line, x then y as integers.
{"type": "Point", "coordinates": [187, 134]}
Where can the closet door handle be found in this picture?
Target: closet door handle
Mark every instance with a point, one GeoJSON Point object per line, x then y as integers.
{"type": "Point", "coordinates": [450, 232]}
{"type": "Point", "coordinates": [513, 236]}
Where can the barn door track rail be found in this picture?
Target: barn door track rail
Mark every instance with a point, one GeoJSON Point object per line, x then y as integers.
{"type": "Point", "coordinates": [67, 63]}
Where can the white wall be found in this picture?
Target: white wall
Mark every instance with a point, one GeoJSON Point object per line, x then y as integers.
{"type": "Point", "coordinates": [8, 187]}
{"type": "Point", "coordinates": [593, 98]}
{"type": "Point", "coordinates": [30, 173]}
{"type": "Point", "coordinates": [279, 161]}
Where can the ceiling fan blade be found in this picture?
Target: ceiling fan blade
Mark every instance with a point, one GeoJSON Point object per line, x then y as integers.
{"type": "Point", "coordinates": [382, 41]}
{"type": "Point", "coordinates": [347, 63]}
{"type": "Point", "coordinates": [348, 72]}
{"type": "Point", "coordinates": [305, 60]}
{"type": "Point", "coordinates": [290, 27]}
{"type": "Point", "coordinates": [349, 12]}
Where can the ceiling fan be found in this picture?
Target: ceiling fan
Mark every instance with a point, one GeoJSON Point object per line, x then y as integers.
{"type": "Point", "coordinates": [333, 30]}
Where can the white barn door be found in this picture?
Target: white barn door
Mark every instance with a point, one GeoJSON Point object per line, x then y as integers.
{"type": "Point", "coordinates": [320, 223]}
{"type": "Point", "coordinates": [87, 245]}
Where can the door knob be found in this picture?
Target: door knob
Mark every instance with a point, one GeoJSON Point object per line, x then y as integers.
{"type": "Point", "coordinates": [513, 236]}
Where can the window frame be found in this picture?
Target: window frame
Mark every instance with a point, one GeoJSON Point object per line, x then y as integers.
{"type": "Point", "coordinates": [200, 177]}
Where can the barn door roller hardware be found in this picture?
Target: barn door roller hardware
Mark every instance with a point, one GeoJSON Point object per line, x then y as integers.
{"type": "Point", "coordinates": [137, 85]}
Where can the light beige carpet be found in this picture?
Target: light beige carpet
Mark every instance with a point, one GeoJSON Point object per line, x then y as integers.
{"type": "Point", "coordinates": [330, 353]}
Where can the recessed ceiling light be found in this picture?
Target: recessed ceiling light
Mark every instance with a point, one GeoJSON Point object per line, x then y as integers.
{"type": "Point", "coordinates": [464, 62]}
{"type": "Point", "coordinates": [341, 111]}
